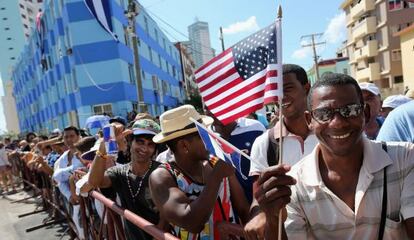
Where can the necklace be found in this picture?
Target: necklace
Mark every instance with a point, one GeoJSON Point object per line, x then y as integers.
{"type": "Point", "coordinates": [134, 195]}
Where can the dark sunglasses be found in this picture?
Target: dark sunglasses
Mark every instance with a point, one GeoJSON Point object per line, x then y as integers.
{"type": "Point", "coordinates": [323, 115]}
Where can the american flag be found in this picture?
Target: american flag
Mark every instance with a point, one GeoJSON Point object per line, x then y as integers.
{"type": "Point", "coordinates": [244, 77]}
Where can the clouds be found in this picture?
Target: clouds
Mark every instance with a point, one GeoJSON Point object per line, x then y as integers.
{"type": "Point", "coordinates": [248, 25]}
{"type": "Point", "coordinates": [336, 30]}
{"type": "Point", "coordinates": [334, 33]}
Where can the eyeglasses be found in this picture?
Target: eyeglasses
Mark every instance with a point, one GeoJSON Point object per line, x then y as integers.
{"type": "Point", "coordinates": [323, 115]}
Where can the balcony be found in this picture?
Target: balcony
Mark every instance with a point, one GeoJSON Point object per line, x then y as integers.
{"type": "Point", "coordinates": [369, 50]}
{"type": "Point", "coordinates": [362, 7]}
{"type": "Point", "coordinates": [367, 26]}
{"type": "Point", "coordinates": [369, 74]}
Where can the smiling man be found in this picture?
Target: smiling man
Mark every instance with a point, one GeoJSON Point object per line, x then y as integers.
{"type": "Point", "coordinates": [349, 187]}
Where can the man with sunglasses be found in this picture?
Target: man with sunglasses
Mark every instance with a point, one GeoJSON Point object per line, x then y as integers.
{"type": "Point", "coordinates": [338, 191]}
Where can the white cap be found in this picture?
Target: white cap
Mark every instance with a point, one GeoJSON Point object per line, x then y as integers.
{"type": "Point", "coordinates": [394, 101]}
{"type": "Point", "coordinates": [370, 87]}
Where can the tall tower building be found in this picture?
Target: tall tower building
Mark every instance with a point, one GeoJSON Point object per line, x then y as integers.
{"type": "Point", "coordinates": [374, 53]}
{"type": "Point", "coordinates": [28, 14]}
{"type": "Point", "coordinates": [200, 43]}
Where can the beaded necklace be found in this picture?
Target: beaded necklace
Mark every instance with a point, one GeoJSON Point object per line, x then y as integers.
{"type": "Point", "coordinates": [140, 181]}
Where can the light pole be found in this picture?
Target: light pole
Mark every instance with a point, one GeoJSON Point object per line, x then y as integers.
{"type": "Point", "coordinates": [131, 14]}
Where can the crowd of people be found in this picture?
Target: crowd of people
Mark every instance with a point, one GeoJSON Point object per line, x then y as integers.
{"type": "Point", "coordinates": [347, 171]}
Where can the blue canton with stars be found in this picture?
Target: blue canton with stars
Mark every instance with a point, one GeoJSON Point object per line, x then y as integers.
{"type": "Point", "coordinates": [253, 54]}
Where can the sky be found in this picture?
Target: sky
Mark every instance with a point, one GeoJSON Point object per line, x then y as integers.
{"type": "Point", "coordinates": [240, 18]}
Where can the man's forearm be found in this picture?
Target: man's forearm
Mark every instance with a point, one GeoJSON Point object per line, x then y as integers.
{"type": "Point", "coordinates": [272, 228]}
{"type": "Point", "coordinates": [97, 172]}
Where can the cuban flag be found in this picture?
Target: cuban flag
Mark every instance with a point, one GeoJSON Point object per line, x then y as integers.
{"type": "Point", "coordinates": [101, 10]}
{"type": "Point", "coordinates": [220, 148]}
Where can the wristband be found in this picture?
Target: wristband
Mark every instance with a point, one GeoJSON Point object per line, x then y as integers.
{"type": "Point", "coordinates": [101, 155]}
{"type": "Point", "coordinates": [213, 160]}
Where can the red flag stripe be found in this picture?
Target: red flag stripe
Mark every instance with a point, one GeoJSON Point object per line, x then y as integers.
{"type": "Point", "coordinates": [271, 86]}
{"type": "Point", "coordinates": [252, 97]}
{"type": "Point", "coordinates": [272, 99]}
{"type": "Point", "coordinates": [226, 87]}
{"type": "Point", "coordinates": [218, 79]}
{"type": "Point", "coordinates": [243, 113]}
{"type": "Point", "coordinates": [212, 61]}
{"type": "Point", "coordinates": [214, 70]}
{"type": "Point", "coordinates": [271, 73]}
{"type": "Point", "coordinates": [237, 93]}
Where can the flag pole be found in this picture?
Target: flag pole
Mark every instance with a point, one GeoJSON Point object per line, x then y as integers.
{"type": "Point", "coordinates": [279, 50]}
{"type": "Point", "coordinates": [223, 140]}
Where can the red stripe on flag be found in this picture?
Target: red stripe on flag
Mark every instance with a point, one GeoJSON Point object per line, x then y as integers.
{"type": "Point", "coordinates": [218, 79]}
{"type": "Point", "coordinates": [223, 89]}
{"type": "Point", "coordinates": [213, 60]}
{"type": "Point", "coordinates": [271, 86]}
{"type": "Point", "coordinates": [214, 70]}
{"type": "Point", "coordinates": [238, 104]}
{"type": "Point", "coordinates": [237, 93]}
{"type": "Point", "coordinates": [272, 99]}
{"type": "Point", "coordinates": [271, 73]}
{"type": "Point", "coordinates": [241, 114]}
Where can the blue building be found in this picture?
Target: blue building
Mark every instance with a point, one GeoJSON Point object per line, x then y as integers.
{"type": "Point", "coordinates": [77, 69]}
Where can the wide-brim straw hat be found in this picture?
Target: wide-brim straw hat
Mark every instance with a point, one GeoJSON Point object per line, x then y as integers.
{"type": "Point", "coordinates": [176, 123]}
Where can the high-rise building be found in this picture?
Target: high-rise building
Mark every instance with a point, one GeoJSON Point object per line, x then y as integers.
{"type": "Point", "coordinates": [11, 44]}
{"type": "Point", "coordinates": [28, 14]}
{"type": "Point", "coordinates": [200, 43]}
{"type": "Point", "coordinates": [73, 68]}
{"type": "Point", "coordinates": [374, 53]}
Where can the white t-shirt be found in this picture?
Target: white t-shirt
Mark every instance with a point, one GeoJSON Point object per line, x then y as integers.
{"type": "Point", "coordinates": [294, 149]}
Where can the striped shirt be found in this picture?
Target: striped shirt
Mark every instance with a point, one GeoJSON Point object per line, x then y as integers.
{"type": "Point", "coordinates": [317, 213]}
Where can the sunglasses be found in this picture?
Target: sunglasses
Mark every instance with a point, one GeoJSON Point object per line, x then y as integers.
{"type": "Point", "coordinates": [323, 115]}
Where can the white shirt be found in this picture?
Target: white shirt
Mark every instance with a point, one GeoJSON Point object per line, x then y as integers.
{"type": "Point", "coordinates": [63, 171]}
{"type": "Point", "coordinates": [317, 213]}
{"type": "Point", "coordinates": [294, 148]}
{"type": "Point", "coordinates": [4, 159]}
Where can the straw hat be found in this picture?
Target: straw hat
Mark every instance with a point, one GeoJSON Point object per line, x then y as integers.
{"type": "Point", "coordinates": [176, 123]}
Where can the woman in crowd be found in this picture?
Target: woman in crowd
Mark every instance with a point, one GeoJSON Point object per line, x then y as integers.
{"type": "Point", "coordinates": [130, 181]}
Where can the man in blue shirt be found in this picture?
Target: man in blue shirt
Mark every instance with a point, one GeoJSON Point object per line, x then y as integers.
{"type": "Point", "coordinates": [399, 125]}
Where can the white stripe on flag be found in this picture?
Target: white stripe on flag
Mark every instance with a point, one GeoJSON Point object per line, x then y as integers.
{"type": "Point", "coordinates": [239, 98]}
{"type": "Point", "coordinates": [221, 84]}
{"type": "Point", "coordinates": [236, 88]}
{"type": "Point", "coordinates": [214, 64]}
{"type": "Point", "coordinates": [216, 75]}
{"type": "Point", "coordinates": [241, 108]}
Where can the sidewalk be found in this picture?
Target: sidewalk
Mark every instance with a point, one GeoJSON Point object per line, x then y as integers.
{"type": "Point", "coordinates": [12, 227]}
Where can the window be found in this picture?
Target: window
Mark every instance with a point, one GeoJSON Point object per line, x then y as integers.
{"type": "Point", "coordinates": [174, 71]}
{"type": "Point", "coordinates": [396, 55]}
{"type": "Point", "coordinates": [143, 76]}
{"type": "Point", "coordinates": [159, 61]}
{"type": "Point", "coordinates": [150, 53]}
{"type": "Point", "coordinates": [6, 29]}
{"type": "Point", "coordinates": [25, 26]}
{"type": "Point", "coordinates": [21, 6]}
{"type": "Point", "coordinates": [398, 79]}
{"type": "Point", "coordinates": [163, 43]}
{"type": "Point", "coordinates": [10, 48]}
{"type": "Point", "coordinates": [394, 5]}
{"type": "Point", "coordinates": [102, 108]}
{"type": "Point", "coordinates": [156, 34]}
{"type": "Point", "coordinates": [131, 74]}
{"type": "Point", "coordinates": [345, 71]}
{"type": "Point", "coordinates": [146, 24]}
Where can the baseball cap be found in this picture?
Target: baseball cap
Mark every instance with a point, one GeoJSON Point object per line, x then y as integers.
{"type": "Point", "coordinates": [394, 101]}
{"type": "Point", "coordinates": [370, 87]}
{"type": "Point", "coordinates": [145, 126]}
{"type": "Point", "coordinates": [118, 119]}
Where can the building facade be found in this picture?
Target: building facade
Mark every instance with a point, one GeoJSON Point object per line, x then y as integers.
{"type": "Point", "coordinates": [374, 53]}
{"type": "Point", "coordinates": [76, 69]}
{"type": "Point", "coordinates": [188, 68]}
{"type": "Point", "coordinates": [335, 65]}
{"type": "Point", "coordinates": [407, 47]}
{"type": "Point", "coordinates": [200, 45]}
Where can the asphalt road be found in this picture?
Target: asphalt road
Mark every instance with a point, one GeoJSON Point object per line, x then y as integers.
{"type": "Point", "coordinates": [12, 227]}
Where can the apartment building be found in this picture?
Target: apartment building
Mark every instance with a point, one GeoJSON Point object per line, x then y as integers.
{"type": "Point", "coordinates": [374, 51]}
